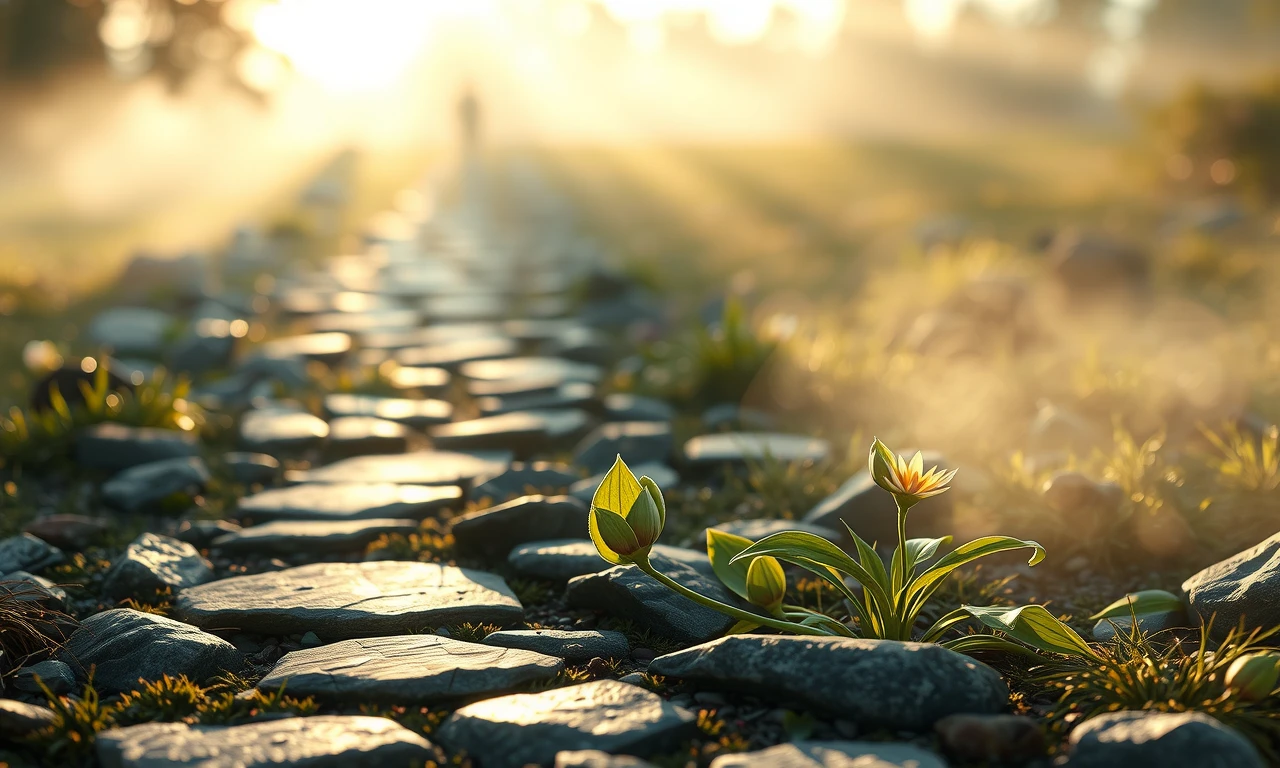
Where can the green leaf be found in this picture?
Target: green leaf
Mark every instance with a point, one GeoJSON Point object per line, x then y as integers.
{"type": "Point", "coordinates": [944, 624]}
{"type": "Point", "coordinates": [1035, 626]}
{"type": "Point", "coordinates": [976, 643]}
{"type": "Point", "coordinates": [612, 536]}
{"type": "Point", "coordinates": [618, 490]}
{"type": "Point", "coordinates": [1139, 603]}
{"type": "Point", "coordinates": [649, 485]}
{"type": "Point", "coordinates": [870, 558]}
{"type": "Point", "coordinates": [742, 628]}
{"type": "Point", "coordinates": [920, 550]}
{"type": "Point", "coordinates": [923, 586]}
{"type": "Point", "coordinates": [721, 549]}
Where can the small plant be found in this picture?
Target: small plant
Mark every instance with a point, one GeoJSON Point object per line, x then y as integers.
{"type": "Point", "coordinates": [167, 700]}
{"type": "Point", "coordinates": [472, 632]}
{"type": "Point", "coordinates": [1243, 463]}
{"type": "Point", "coordinates": [429, 544]}
{"type": "Point", "coordinates": [231, 709]}
{"type": "Point", "coordinates": [76, 724]}
{"type": "Point", "coordinates": [531, 591]}
{"type": "Point", "coordinates": [627, 516]}
{"type": "Point", "coordinates": [28, 630]}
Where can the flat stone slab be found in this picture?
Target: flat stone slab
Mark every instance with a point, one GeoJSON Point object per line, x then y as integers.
{"type": "Point", "coordinates": [146, 485]}
{"type": "Point", "coordinates": [418, 414]}
{"type": "Point", "coordinates": [492, 532]}
{"type": "Point", "coordinates": [276, 430]}
{"type": "Point", "coordinates": [321, 741]}
{"type": "Point", "coordinates": [621, 406]}
{"type": "Point", "coordinates": [349, 501]}
{"type": "Point", "coordinates": [514, 731]}
{"type": "Point", "coordinates": [426, 381]}
{"type": "Point", "coordinates": [325, 347]}
{"type": "Point", "coordinates": [123, 645]}
{"type": "Point", "coordinates": [290, 536]}
{"type": "Point", "coordinates": [523, 478]}
{"type": "Point", "coordinates": [638, 442]}
{"type": "Point", "coordinates": [834, 754]}
{"type": "Point", "coordinates": [1245, 586]}
{"type": "Point", "coordinates": [411, 669]}
{"type": "Point", "coordinates": [594, 758]}
{"type": "Point", "coordinates": [523, 432]}
{"type": "Point", "coordinates": [417, 468]}
{"type": "Point", "coordinates": [252, 468]}
{"type": "Point", "coordinates": [113, 447]}
{"type": "Point", "coordinates": [346, 600]}
{"type": "Point", "coordinates": [563, 559]}
{"type": "Point", "coordinates": [528, 370]}
{"type": "Point", "coordinates": [363, 436]}
{"type": "Point", "coordinates": [131, 330]}
{"type": "Point", "coordinates": [451, 354]}
{"type": "Point", "coordinates": [152, 563]}
{"type": "Point", "coordinates": [25, 552]}
{"type": "Point", "coordinates": [1166, 739]}
{"type": "Point", "coordinates": [564, 644]}
{"type": "Point", "coordinates": [741, 447]}
{"type": "Point", "coordinates": [876, 683]}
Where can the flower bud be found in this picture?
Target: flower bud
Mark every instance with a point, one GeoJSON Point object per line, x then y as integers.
{"type": "Point", "coordinates": [1253, 677]}
{"type": "Point", "coordinates": [614, 539]}
{"type": "Point", "coordinates": [644, 520]}
{"type": "Point", "coordinates": [766, 583]}
{"type": "Point", "coordinates": [881, 465]}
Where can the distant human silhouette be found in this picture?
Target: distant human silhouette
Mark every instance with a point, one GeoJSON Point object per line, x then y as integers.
{"type": "Point", "coordinates": [469, 118]}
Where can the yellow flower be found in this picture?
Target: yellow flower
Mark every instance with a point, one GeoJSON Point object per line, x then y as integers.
{"type": "Point", "coordinates": [906, 480]}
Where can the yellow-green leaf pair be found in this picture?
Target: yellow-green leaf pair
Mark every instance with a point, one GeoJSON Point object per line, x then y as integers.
{"type": "Point", "coordinates": [760, 580]}
{"type": "Point", "coordinates": [627, 515]}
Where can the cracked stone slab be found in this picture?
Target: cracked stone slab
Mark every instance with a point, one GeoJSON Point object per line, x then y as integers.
{"type": "Point", "coordinates": [349, 501]}
{"type": "Point", "coordinates": [346, 600]}
{"type": "Point", "coordinates": [321, 741]}
{"type": "Point", "coordinates": [606, 715]}
{"type": "Point", "coordinates": [290, 536]}
{"type": "Point", "coordinates": [410, 669]}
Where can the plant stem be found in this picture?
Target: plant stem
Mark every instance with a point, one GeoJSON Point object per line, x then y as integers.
{"type": "Point", "coordinates": [901, 554]}
{"type": "Point", "coordinates": [740, 615]}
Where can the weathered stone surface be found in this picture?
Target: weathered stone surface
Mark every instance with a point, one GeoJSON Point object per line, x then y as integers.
{"type": "Point", "coordinates": [869, 510]}
{"type": "Point", "coordinates": [349, 501]}
{"type": "Point", "coordinates": [638, 442]}
{"type": "Point", "coordinates": [25, 552]}
{"type": "Point", "coordinates": [345, 600]}
{"type": "Point", "coordinates": [152, 563]}
{"type": "Point", "coordinates": [418, 468]}
{"type": "Point", "coordinates": [494, 531]}
{"type": "Point", "coordinates": [1166, 739]}
{"type": "Point", "coordinates": [410, 669]}
{"type": "Point", "coordinates": [664, 476]}
{"type": "Point", "coordinates": [562, 559]}
{"type": "Point", "coordinates": [877, 683]}
{"type": "Point", "coordinates": [18, 719]}
{"type": "Point", "coordinates": [279, 431]}
{"type": "Point", "coordinates": [740, 447]}
{"type": "Point", "coordinates": [525, 433]}
{"type": "Point", "coordinates": [55, 675]}
{"type": "Point", "coordinates": [1245, 586]}
{"type": "Point", "coordinates": [594, 758]}
{"type": "Point", "coordinates": [522, 478]}
{"type": "Point", "coordinates": [513, 731]}
{"type": "Point", "coordinates": [28, 586]}
{"type": "Point", "coordinates": [113, 447]}
{"type": "Point", "coordinates": [146, 485]}
{"type": "Point", "coordinates": [564, 644]}
{"type": "Point", "coordinates": [252, 468]}
{"type": "Point", "coordinates": [289, 536]}
{"type": "Point", "coordinates": [123, 645]}
{"type": "Point", "coordinates": [834, 754]}
{"type": "Point", "coordinates": [322, 741]}
{"type": "Point", "coordinates": [625, 592]}
{"type": "Point", "coordinates": [418, 414]}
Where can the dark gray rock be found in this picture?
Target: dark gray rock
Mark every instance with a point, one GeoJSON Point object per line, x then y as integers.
{"type": "Point", "coordinates": [594, 758]}
{"type": "Point", "coordinates": [418, 414]}
{"type": "Point", "coordinates": [132, 330]}
{"type": "Point", "coordinates": [252, 468]}
{"type": "Point", "coordinates": [69, 531]}
{"type": "Point", "coordinates": [321, 741]}
{"type": "Point", "coordinates": [664, 476]}
{"type": "Point", "coordinates": [1166, 739]}
{"type": "Point", "coordinates": [152, 563]}
{"type": "Point", "coordinates": [876, 683]}
{"type": "Point", "coordinates": [573, 394]}
{"type": "Point", "coordinates": [145, 486]}
{"type": "Point", "coordinates": [411, 669]}
{"type": "Point", "coordinates": [55, 675]}
{"type": "Point", "coordinates": [28, 586]}
{"type": "Point", "coordinates": [290, 536]}
{"type": "Point", "coordinates": [1149, 623]}
{"type": "Point", "coordinates": [834, 754]}
{"type": "Point", "coordinates": [625, 592]}
{"type": "Point", "coordinates": [992, 739]}
{"type": "Point", "coordinates": [25, 552]}
{"type": "Point", "coordinates": [514, 731]}
{"type": "Point", "coordinates": [870, 511]}
{"type": "Point", "coordinates": [349, 501]}
{"type": "Point", "coordinates": [346, 600]}
{"type": "Point", "coordinates": [18, 719]}
{"type": "Point", "coordinates": [418, 468]}
{"type": "Point", "coordinates": [564, 644]}
{"type": "Point", "coordinates": [731, 416]}
{"type": "Point", "coordinates": [1244, 587]}
{"type": "Point", "coordinates": [562, 559]}
{"type": "Point", "coordinates": [525, 433]}
{"type": "Point", "coordinates": [280, 431]}
{"type": "Point", "coordinates": [364, 436]}
{"type": "Point", "coordinates": [621, 406]}
{"type": "Point", "coordinates": [201, 533]}
{"type": "Point", "coordinates": [738, 448]}
{"type": "Point", "coordinates": [208, 345]}
{"type": "Point", "coordinates": [638, 442]}
{"type": "Point", "coordinates": [113, 447]}
{"type": "Point", "coordinates": [522, 478]}
{"type": "Point", "coordinates": [123, 645]}
{"type": "Point", "coordinates": [492, 532]}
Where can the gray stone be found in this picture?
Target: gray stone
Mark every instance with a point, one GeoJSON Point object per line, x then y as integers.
{"type": "Point", "coordinates": [328, 347]}
{"type": "Point", "coordinates": [1148, 623]}
{"type": "Point", "coordinates": [25, 552]}
{"type": "Point", "coordinates": [870, 510]}
{"type": "Point", "coordinates": [876, 683]}
{"type": "Point", "coordinates": [563, 559]}
{"type": "Point", "coordinates": [364, 436]}
{"type": "Point", "coordinates": [621, 406]}
{"type": "Point", "coordinates": [68, 530]}
{"type": "Point", "coordinates": [526, 374]}
{"type": "Point", "coordinates": [321, 741]}
{"type": "Point", "coordinates": [741, 447]}
{"type": "Point", "coordinates": [418, 468]}
{"type": "Point", "coordinates": [345, 600]}
{"type": "Point", "coordinates": [201, 533]}
{"type": "Point", "coordinates": [1166, 739]}
{"type": "Point", "coordinates": [418, 414]}
{"type": "Point", "coordinates": [349, 501]}
{"type": "Point", "coordinates": [494, 531]}
{"type": "Point", "coordinates": [522, 478]}
{"type": "Point", "coordinates": [834, 754]}
{"type": "Point", "coordinates": [422, 381]}
{"type": "Point", "coordinates": [625, 592]}
{"type": "Point", "coordinates": [142, 487]}
{"type": "Point", "coordinates": [594, 758]}
{"type": "Point", "coordinates": [573, 394]}
{"type": "Point", "coordinates": [564, 644]}
{"type": "Point", "coordinates": [290, 536]}
{"type": "Point", "coordinates": [525, 433]}
{"type": "Point", "coordinates": [451, 354]}
{"type": "Point", "coordinates": [252, 468]}
{"type": "Point", "coordinates": [18, 719]}
{"type": "Point", "coordinates": [638, 442]}
{"type": "Point", "coordinates": [152, 563]}
{"type": "Point", "coordinates": [1244, 587]}
{"type": "Point", "coordinates": [55, 675]}
{"type": "Point", "coordinates": [113, 447]}
{"type": "Point", "coordinates": [411, 669]}
{"type": "Point", "coordinates": [208, 345]}
{"type": "Point", "coordinates": [131, 330]}
{"type": "Point", "coordinates": [123, 645]}
{"type": "Point", "coordinates": [280, 431]}
{"type": "Point", "coordinates": [664, 476]}
{"type": "Point", "coordinates": [28, 586]}
{"type": "Point", "coordinates": [513, 731]}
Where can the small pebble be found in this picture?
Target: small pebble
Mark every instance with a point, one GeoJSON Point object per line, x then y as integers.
{"type": "Point", "coordinates": [309, 640]}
